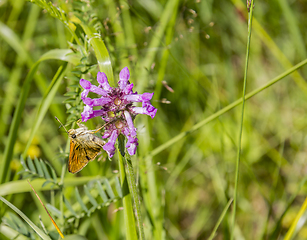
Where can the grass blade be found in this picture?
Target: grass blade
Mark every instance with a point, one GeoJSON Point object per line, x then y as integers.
{"type": "Point", "coordinates": [212, 235]}
{"type": "Point", "coordinates": [45, 104]}
{"type": "Point", "coordinates": [22, 186]}
{"type": "Point", "coordinates": [250, 21]}
{"type": "Point", "coordinates": [224, 110]}
{"type": "Point", "coordinates": [299, 215]}
{"type": "Point", "coordinates": [155, 42]}
{"type": "Point", "coordinates": [8, 153]}
{"type": "Point", "coordinates": [22, 215]}
{"type": "Point", "coordinates": [101, 52]}
{"type": "Point", "coordinates": [11, 233]}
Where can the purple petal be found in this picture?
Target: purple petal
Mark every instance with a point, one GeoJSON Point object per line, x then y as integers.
{"type": "Point", "coordinates": [101, 101]}
{"type": "Point", "coordinates": [124, 76]}
{"type": "Point", "coordinates": [131, 145]}
{"type": "Point", "coordinates": [89, 113]}
{"type": "Point", "coordinates": [106, 134]}
{"type": "Point", "coordinates": [109, 130]}
{"type": "Point", "coordinates": [85, 84]}
{"type": "Point", "coordinates": [132, 129]}
{"type": "Point", "coordinates": [132, 149]}
{"type": "Point", "coordinates": [109, 147]}
{"type": "Point", "coordinates": [128, 89]}
{"type": "Point", "coordinates": [89, 87]}
{"type": "Point", "coordinates": [96, 101]}
{"type": "Point", "coordinates": [84, 94]}
{"type": "Point", "coordinates": [103, 81]}
{"type": "Point", "coordinates": [145, 97]}
{"type": "Point", "coordinates": [146, 108]}
{"type": "Point", "coordinates": [98, 90]}
{"type": "Point", "coordinates": [87, 101]}
{"type": "Point", "coordinates": [132, 142]}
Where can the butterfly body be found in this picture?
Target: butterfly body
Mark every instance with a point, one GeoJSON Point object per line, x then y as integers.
{"type": "Point", "coordinates": [84, 147]}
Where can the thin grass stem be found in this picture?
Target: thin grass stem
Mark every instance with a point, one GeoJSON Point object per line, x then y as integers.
{"type": "Point", "coordinates": [220, 220]}
{"type": "Point", "coordinates": [241, 122]}
{"type": "Point", "coordinates": [225, 109]}
{"type": "Point", "coordinates": [294, 225]}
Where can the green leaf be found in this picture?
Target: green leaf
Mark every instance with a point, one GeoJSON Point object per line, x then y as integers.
{"type": "Point", "coordinates": [46, 172]}
{"type": "Point", "coordinates": [38, 167]}
{"type": "Point", "coordinates": [45, 104]}
{"type": "Point", "coordinates": [75, 237]}
{"type": "Point", "coordinates": [12, 220]}
{"type": "Point", "coordinates": [54, 176]}
{"type": "Point", "coordinates": [13, 40]}
{"type": "Point", "coordinates": [69, 207]}
{"type": "Point", "coordinates": [31, 165]}
{"type": "Point", "coordinates": [24, 165]}
{"type": "Point", "coordinates": [11, 233]}
{"type": "Point", "coordinates": [79, 199]}
{"type": "Point", "coordinates": [56, 212]}
{"type": "Point", "coordinates": [47, 182]}
{"type": "Point", "coordinates": [90, 197]}
{"type": "Point", "coordinates": [101, 192]}
{"type": "Point", "coordinates": [108, 188]}
{"type": "Point", "coordinates": [21, 186]}
{"type": "Point", "coordinates": [12, 138]}
{"type": "Point", "coordinates": [101, 51]}
{"type": "Point", "coordinates": [22, 215]}
{"type": "Point", "coordinates": [118, 187]}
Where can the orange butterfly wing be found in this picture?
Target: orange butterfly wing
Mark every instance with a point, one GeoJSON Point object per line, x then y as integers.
{"type": "Point", "coordinates": [80, 155]}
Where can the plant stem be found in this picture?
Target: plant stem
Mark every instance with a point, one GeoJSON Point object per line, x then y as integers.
{"type": "Point", "coordinates": [242, 119]}
{"type": "Point", "coordinates": [127, 202]}
{"type": "Point", "coordinates": [131, 184]}
{"type": "Point", "coordinates": [134, 191]}
{"type": "Point", "coordinates": [224, 110]}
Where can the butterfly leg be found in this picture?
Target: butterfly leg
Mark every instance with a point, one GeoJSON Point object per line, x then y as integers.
{"type": "Point", "coordinates": [94, 131]}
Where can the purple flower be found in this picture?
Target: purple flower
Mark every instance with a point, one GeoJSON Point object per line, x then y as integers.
{"type": "Point", "coordinates": [116, 108]}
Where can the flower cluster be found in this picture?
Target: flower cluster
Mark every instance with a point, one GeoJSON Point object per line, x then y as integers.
{"type": "Point", "coordinates": [116, 108]}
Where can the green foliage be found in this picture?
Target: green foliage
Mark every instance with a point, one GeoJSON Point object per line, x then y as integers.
{"type": "Point", "coordinates": [191, 54]}
{"type": "Point", "coordinates": [94, 195]}
{"type": "Point", "coordinates": [15, 223]}
{"type": "Point", "coordinates": [38, 169]}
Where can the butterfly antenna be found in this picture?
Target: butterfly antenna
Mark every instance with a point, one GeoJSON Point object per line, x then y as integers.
{"type": "Point", "coordinates": [61, 124]}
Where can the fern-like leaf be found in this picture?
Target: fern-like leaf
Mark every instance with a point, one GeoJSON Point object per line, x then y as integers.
{"type": "Point", "coordinates": [38, 169]}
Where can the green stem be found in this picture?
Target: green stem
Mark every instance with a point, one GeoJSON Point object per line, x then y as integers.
{"type": "Point", "coordinates": [225, 109]}
{"type": "Point", "coordinates": [134, 191]}
{"type": "Point", "coordinates": [127, 201]}
{"type": "Point", "coordinates": [212, 235]}
{"type": "Point", "coordinates": [242, 119]}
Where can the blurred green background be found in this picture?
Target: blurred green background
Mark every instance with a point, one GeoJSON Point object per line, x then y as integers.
{"type": "Point", "coordinates": [197, 48]}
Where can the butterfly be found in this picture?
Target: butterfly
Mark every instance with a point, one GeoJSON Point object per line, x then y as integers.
{"type": "Point", "coordinates": [84, 146]}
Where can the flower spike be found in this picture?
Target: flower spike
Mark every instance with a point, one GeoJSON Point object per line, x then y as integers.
{"type": "Point", "coordinates": [116, 108]}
